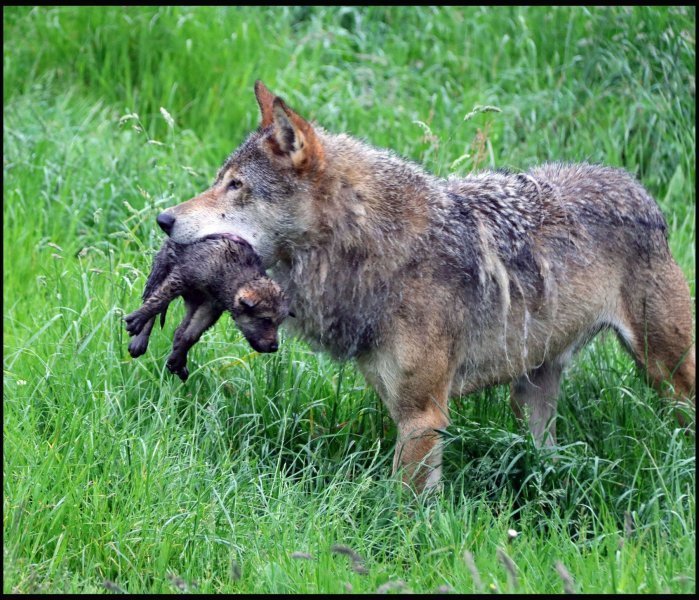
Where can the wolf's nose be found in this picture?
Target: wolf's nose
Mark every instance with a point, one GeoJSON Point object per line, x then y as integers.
{"type": "Point", "coordinates": [166, 221]}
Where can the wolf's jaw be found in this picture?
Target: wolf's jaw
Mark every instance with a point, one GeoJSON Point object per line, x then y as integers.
{"type": "Point", "coordinates": [213, 236]}
{"type": "Point", "coordinates": [227, 236]}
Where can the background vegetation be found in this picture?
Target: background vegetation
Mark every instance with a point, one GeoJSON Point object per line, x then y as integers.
{"type": "Point", "coordinates": [119, 477]}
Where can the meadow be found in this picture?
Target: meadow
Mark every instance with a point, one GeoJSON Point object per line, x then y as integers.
{"type": "Point", "coordinates": [261, 471]}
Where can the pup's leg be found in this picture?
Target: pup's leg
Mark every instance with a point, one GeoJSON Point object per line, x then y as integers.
{"type": "Point", "coordinates": [535, 396]}
{"type": "Point", "coordinates": [139, 344]}
{"type": "Point", "coordinates": [156, 303]}
{"type": "Point", "coordinates": [658, 333]}
{"type": "Point", "coordinates": [198, 319]}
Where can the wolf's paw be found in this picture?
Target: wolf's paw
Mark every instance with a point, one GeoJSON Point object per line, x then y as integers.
{"type": "Point", "coordinates": [178, 366]}
{"type": "Point", "coordinates": [135, 322]}
{"type": "Point", "coordinates": [138, 346]}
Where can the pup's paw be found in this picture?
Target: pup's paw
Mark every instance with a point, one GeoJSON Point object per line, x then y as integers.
{"type": "Point", "coordinates": [178, 366]}
{"type": "Point", "coordinates": [138, 346]}
{"type": "Point", "coordinates": [135, 322]}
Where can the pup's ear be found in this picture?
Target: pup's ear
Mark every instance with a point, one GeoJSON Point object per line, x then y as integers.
{"type": "Point", "coordinates": [264, 99]}
{"type": "Point", "coordinates": [247, 298]}
{"type": "Point", "coordinates": [295, 137]}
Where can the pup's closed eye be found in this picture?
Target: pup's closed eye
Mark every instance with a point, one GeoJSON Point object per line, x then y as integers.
{"type": "Point", "coordinates": [249, 301]}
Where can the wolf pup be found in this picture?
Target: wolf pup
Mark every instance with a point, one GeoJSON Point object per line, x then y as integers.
{"type": "Point", "coordinates": [217, 273]}
{"type": "Point", "coordinates": [437, 287]}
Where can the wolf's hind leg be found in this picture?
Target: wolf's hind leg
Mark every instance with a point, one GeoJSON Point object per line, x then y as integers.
{"type": "Point", "coordinates": [659, 335]}
{"type": "Point", "coordinates": [535, 396]}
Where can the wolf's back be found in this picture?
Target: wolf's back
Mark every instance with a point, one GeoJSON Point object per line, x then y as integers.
{"type": "Point", "coordinates": [557, 200]}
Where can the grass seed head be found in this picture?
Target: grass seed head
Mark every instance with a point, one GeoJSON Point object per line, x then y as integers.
{"type": "Point", "coordinates": [568, 583]}
{"type": "Point", "coordinates": [475, 575]}
{"type": "Point", "coordinates": [110, 586]}
{"type": "Point", "coordinates": [509, 565]}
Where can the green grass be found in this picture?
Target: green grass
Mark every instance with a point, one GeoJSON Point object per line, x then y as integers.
{"type": "Point", "coordinates": [115, 471]}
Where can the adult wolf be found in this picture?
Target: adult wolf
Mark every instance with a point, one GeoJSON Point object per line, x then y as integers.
{"type": "Point", "coordinates": [440, 287]}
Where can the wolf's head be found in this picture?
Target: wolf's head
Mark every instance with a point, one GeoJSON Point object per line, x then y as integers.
{"type": "Point", "coordinates": [264, 191]}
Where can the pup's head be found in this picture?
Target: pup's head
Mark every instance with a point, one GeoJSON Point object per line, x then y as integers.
{"type": "Point", "coordinates": [259, 308]}
{"type": "Point", "coordinates": [263, 193]}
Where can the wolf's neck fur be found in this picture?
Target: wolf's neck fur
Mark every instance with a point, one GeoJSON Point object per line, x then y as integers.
{"type": "Point", "coordinates": [373, 216]}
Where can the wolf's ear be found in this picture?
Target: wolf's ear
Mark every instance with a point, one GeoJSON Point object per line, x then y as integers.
{"type": "Point", "coordinates": [264, 99]}
{"type": "Point", "coordinates": [295, 137]}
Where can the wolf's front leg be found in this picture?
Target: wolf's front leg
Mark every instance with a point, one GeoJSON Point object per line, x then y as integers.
{"type": "Point", "coordinates": [414, 381]}
{"type": "Point", "coordinates": [198, 319]}
{"type": "Point", "coordinates": [418, 453]}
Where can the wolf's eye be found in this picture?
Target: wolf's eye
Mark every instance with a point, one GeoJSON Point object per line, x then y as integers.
{"type": "Point", "coordinates": [235, 184]}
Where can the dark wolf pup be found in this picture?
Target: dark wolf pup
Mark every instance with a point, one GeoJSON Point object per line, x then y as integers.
{"type": "Point", "coordinates": [441, 287]}
{"type": "Point", "coordinates": [217, 273]}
